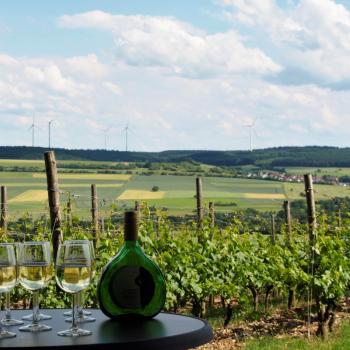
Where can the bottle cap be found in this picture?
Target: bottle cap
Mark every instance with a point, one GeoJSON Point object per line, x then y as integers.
{"type": "Point", "coordinates": [130, 225]}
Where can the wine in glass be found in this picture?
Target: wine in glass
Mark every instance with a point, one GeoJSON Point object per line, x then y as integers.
{"type": "Point", "coordinates": [35, 272]}
{"type": "Point", "coordinates": [83, 315]}
{"type": "Point", "coordinates": [73, 274]}
{"type": "Point", "coordinates": [8, 320]}
{"type": "Point", "coordinates": [7, 277]}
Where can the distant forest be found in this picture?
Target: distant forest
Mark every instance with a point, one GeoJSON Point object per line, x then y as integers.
{"type": "Point", "coordinates": [310, 156]}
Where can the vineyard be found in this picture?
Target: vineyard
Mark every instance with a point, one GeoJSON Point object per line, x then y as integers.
{"type": "Point", "coordinates": [230, 271]}
{"type": "Point", "coordinates": [236, 264]}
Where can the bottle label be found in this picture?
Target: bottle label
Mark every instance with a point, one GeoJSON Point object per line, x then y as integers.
{"type": "Point", "coordinates": [132, 287]}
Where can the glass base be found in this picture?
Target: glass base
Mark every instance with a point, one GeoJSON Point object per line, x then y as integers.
{"type": "Point", "coordinates": [11, 322]}
{"type": "Point", "coordinates": [35, 328]}
{"type": "Point", "coordinates": [41, 317]}
{"type": "Point", "coordinates": [6, 334]}
{"type": "Point", "coordinates": [74, 332]}
{"type": "Point", "coordinates": [83, 319]}
{"type": "Point", "coordinates": [69, 313]}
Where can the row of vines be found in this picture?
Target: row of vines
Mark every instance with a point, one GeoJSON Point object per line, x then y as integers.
{"type": "Point", "coordinates": [236, 264]}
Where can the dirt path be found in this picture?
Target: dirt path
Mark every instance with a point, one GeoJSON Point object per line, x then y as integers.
{"type": "Point", "coordinates": [281, 324]}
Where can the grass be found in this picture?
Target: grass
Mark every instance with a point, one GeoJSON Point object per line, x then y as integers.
{"type": "Point", "coordinates": [176, 193]}
{"type": "Point", "coordinates": [30, 196]}
{"type": "Point", "coordinates": [92, 176]}
{"type": "Point", "coordinates": [318, 171]}
{"type": "Point", "coordinates": [293, 190]}
{"type": "Point", "coordinates": [338, 341]}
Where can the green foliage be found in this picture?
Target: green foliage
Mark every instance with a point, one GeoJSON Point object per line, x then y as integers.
{"type": "Point", "coordinates": [311, 156]}
{"type": "Point", "coordinates": [229, 262]}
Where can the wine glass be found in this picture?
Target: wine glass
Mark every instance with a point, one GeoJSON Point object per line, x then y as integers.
{"type": "Point", "coordinates": [83, 315]}
{"type": "Point", "coordinates": [35, 271]}
{"type": "Point", "coordinates": [8, 320]}
{"type": "Point", "coordinates": [7, 277]}
{"type": "Point", "coordinates": [73, 274]}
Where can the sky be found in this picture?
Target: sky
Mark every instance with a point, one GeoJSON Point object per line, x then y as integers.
{"type": "Point", "coordinates": [177, 74]}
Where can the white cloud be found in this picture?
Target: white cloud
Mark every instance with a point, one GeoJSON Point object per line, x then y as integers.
{"type": "Point", "coordinates": [7, 60]}
{"type": "Point", "coordinates": [181, 49]}
{"type": "Point", "coordinates": [113, 87]}
{"type": "Point", "coordinates": [51, 76]}
{"type": "Point", "coordinates": [148, 86]}
{"type": "Point", "coordinates": [88, 65]}
{"type": "Point", "coordinates": [312, 36]}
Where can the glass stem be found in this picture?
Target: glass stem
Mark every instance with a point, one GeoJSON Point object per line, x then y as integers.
{"type": "Point", "coordinates": [75, 312]}
{"type": "Point", "coordinates": [79, 304]}
{"type": "Point", "coordinates": [35, 308]}
{"type": "Point", "coordinates": [7, 307]}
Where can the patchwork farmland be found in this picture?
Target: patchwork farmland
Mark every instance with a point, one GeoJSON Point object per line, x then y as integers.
{"type": "Point", "coordinates": [27, 191]}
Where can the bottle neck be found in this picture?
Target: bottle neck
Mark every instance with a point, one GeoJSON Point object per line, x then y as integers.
{"type": "Point", "coordinates": [130, 243]}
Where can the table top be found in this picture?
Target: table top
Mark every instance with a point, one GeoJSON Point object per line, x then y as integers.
{"type": "Point", "coordinates": [165, 331]}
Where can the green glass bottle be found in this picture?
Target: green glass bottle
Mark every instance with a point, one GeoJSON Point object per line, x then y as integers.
{"type": "Point", "coordinates": [131, 284]}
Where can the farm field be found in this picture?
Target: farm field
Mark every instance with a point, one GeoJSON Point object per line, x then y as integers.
{"type": "Point", "coordinates": [318, 171]}
{"type": "Point", "coordinates": [27, 192]}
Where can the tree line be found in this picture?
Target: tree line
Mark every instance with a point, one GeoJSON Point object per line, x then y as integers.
{"type": "Point", "coordinates": [311, 156]}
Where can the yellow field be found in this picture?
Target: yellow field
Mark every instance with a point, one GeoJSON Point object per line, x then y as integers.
{"type": "Point", "coordinates": [24, 184]}
{"type": "Point", "coordinates": [88, 185]}
{"type": "Point", "coordinates": [21, 161]}
{"type": "Point", "coordinates": [30, 196]}
{"type": "Point", "coordinates": [121, 177]}
{"type": "Point", "coordinates": [264, 195]}
{"type": "Point", "coordinates": [139, 194]}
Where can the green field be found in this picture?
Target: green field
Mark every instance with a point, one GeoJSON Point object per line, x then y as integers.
{"type": "Point", "coordinates": [27, 190]}
{"type": "Point", "coordinates": [318, 171]}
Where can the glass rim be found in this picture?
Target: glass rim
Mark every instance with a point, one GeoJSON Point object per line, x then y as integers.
{"type": "Point", "coordinates": [35, 242]}
{"type": "Point", "coordinates": [7, 244]}
{"type": "Point", "coordinates": [76, 241]}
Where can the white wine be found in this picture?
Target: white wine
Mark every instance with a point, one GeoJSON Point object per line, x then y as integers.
{"type": "Point", "coordinates": [73, 278]}
{"type": "Point", "coordinates": [35, 276]}
{"type": "Point", "coordinates": [7, 278]}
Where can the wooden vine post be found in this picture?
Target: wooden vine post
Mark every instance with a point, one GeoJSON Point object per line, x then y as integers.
{"type": "Point", "coordinates": [69, 209]}
{"type": "Point", "coordinates": [54, 200]}
{"type": "Point", "coordinates": [3, 219]}
{"type": "Point", "coordinates": [288, 220]}
{"type": "Point", "coordinates": [94, 215]}
{"type": "Point", "coordinates": [273, 228]}
{"type": "Point", "coordinates": [288, 226]}
{"type": "Point", "coordinates": [199, 200]}
{"type": "Point", "coordinates": [325, 311]}
{"type": "Point", "coordinates": [212, 225]}
{"type": "Point", "coordinates": [311, 209]}
{"type": "Point", "coordinates": [212, 214]}
{"type": "Point", "coordinates": [137, 208]}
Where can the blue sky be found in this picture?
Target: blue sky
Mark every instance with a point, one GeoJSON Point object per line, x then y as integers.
{"type": "Point", "coordinates": [27, 20]}
{"type": "Point", "coordinates": [181, 74]}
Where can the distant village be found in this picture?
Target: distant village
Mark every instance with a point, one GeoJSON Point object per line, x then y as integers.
{"type": "Point", "coordinates": [285, 177]}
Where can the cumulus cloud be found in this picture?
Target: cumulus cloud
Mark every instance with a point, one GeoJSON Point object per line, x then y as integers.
{"type": "Point", "coordinates": [312, 36]}
{"type": "Point", "coordinates": [113, 87]}
{"type": "Point", "coordinates": [88, 66]}
{"type": "Point", "coordinates": [177, 46]}
{"type": "Point", "coordinates": [148, 86]}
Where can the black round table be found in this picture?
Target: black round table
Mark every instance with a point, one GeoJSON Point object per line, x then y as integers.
{"type": "Point", "coordinates": [166, 331]}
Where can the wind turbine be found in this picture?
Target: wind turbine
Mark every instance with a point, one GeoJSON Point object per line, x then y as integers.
{"type": "Point", "coordinates": [105, 131]}
{"type": "Point", "coordinates": [126, 129]}
{"type": "Point", "coordinates": [251, 129]}
{"type": "Point", "coordinates": [32, 127]}
{"type": "Point", "coordinates": [50, 122]}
